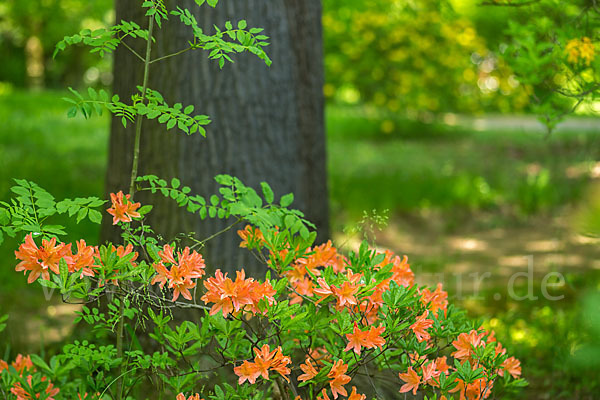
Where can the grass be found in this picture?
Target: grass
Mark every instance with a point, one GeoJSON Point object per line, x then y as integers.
{"type": "Point", "coordinates": [425, 174]}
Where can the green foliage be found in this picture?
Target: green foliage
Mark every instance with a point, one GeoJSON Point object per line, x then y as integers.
{"type": "Point", "coordinates": [29, 210]}
{"type": "Point", "coordinates": [388, 54]}
{"type": "Point", "coordinates": [552, 51]}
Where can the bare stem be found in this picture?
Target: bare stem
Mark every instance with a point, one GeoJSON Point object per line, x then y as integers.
{"type": "Point", "coordinates": [138, 121]}
{"type": "Point", "coordinates": [173, 54]}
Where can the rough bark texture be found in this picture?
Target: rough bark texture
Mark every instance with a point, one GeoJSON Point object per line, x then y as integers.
{"type": "Point", "coordinates": [268, 123]}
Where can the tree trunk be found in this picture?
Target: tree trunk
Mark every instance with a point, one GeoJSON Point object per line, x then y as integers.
{"type": "Point", "coordinates": [268, 123]}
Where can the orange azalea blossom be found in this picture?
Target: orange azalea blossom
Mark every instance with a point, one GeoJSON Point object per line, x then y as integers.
{"type": "Point", "coordinates": [512, 366]}
{"type": "Point", "coordinates": [412, 380]}
{"type": "Point", "coordinates": [477, 390]}
{"type": "Point", "coordinates": [441, 365]}
{"type": "Point", "coordinates": [338, 378]}
{"type": "Point", "coordinates": [181, 396]}
{"type": "Point", "coordinates": [264, 361]}
{"type": "Point", "coordinates": [436, 300]}
{"type": "Point", "coordinates": [319, 354]}
{"type": "Point", "coordinates": [189, 265]}
{"type": "Point", "coordinates": [369, 339]}
{"type": "Point", "coordinates": [430, 373]}
{"type": "Point", "coordinates": [251, 237]}
{"type": "Point", "coordinates": [123, 210]}
{"type": "Point", "coordinates": [345, 294]}
{"type": "Point", "coordinates": [232, 297]}
{"type": "Point", "coordinates": [22, 363]}
{"type": "Point", "coordinates": [402, 273]}
{"type": "Point", "coordinates": [40, 260]}
{"type": "Point", "coordinates": [464, 344]}
{"type": "Point", "coordinates": [323, 256]}
{"type": "Point", "coordinates": [323, 395]}
{"type": "Point", "coordinates": [22, 394]}
{"type": "Point", "coordinates": [420, 326]}
{"type": "Point", "coordinates": [356, 396]}
{"type": "Point", "coordinates": [303, 287]}
{"type": "Point", "coordinates": [309, 371]}
{"type": "Point", "coordinates": [83, 261]}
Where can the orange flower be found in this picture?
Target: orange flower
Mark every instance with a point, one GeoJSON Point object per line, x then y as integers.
{"type": "Point", "coordinates": [477, 390]}
{"type": "Point", "coordinates": [441, 365]}
{"type": "Point", "coordinates": [40, 260]}
{"type": "Point", "coordinates": [230, 296]}
{"type": "Point", "coordinates": [83, 260]}
{"type": "Point", "coordinates": [181, 396]}
{"type": "Point", "coordinates": [338, 378]}
{"type": "Point", "coordinates": [302, 287]}
{"type": "Point", "coordinates": [248, 371]}
{"type": "Point", "coordinates": [512, 366]}
{"type": "Point", "coordinates": [369, 339]}
{"type": "Point", "coordinates": [356, 396]}
{"type": "Point", "coordinates": [465, 343]}
{"type": "Point", "coordinates": [412, 380]}
{"type": "Point", "coordinates": [323, 395]}
{"type": "Point", "coordinates": [179, 277]}
{"type": "Point", "coordinates": [345, 294]}
{"type": "Point", "coordinates": [22, 363]}
{"type": "Point", "coordinates": [309, 371]}
{"type": "Point", "coordinates": [264, 360]}
{"type": "Point", "coordinates": [436, 300]}
{"type": "Point", "coordinates": [22, 394]}
{"type": "Point", "coordinates": [251, 237]}
{"type": "Point", "coordinates": [323, 291]}
{"type": "Point", "coordinates": [420, 326]}
{"type": "Point", "coordinates": [123, 210]}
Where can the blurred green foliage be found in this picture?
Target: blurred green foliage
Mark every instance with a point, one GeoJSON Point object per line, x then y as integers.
{"type": "Point", "coordinates": [29, 31]}
{"type": "Point", "coordinates": [551, 46]}
{"type": "Point", "coordinates": [413, 58]}
{"type": "Point", "coordinates": [430, 166]}
{"type": "Point", "coordinates": [557, 341]}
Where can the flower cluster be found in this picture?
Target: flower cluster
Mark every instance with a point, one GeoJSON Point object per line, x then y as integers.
{"type": "Point", "coordinates": [24, 366]}
{"type": "Point", "coordinates": [580, 49]}
{"type": "Point", "coordinates": [234, 296]}
{"type": "Point", "coordinates": [40, 261]}
{"type": "Point", "coordinates": [264, 360]}
{"type": "Point", "coordinates": [178, 272]}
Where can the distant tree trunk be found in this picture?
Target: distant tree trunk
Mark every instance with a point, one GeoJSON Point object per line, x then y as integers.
{"type": "Point", "coordinates": [268, 123]}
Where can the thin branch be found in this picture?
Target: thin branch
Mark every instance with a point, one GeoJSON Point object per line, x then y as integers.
{"type": "Point", "coordinates": [173, 54]}
{"type": "Point", "coordinates": [133, 51]}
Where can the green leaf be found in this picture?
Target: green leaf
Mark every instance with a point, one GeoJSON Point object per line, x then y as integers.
{"type": "Point", "coordinates": [242, 24]}
{"type": "Point", "coordinates": [175, 183]}
{"type": "Point", "coordinates": [172, 122]}
{"type": "Point", "coordinates": [286, 200]}
{"type": "Point", "coordinates": [82, 214]}
{"type": "Point", "coordinates": [64, 271]}
{"type": "Point", "coordinates": [95, 216]}
{"type": "Point", "coordinates": [267, 192]}
{"type": "Point", "coordinates": [212, 3]}
{"type": "Point", "coordinates": [188, 109]}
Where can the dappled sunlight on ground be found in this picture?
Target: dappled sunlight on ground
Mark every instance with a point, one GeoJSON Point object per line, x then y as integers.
{"type": "Point", "coordinates": [471, 258]}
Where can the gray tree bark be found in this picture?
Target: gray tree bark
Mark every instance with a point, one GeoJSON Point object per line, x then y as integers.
{"type": "Point", "coordinates": [268, 123]}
